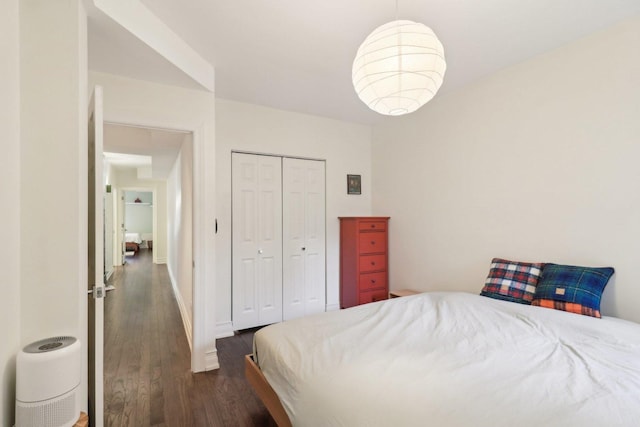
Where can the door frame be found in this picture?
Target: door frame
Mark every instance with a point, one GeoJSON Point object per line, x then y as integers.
{"type": "Point", "coordinates": [202, 359]}
{"type": "Point", "coordinates": [108, 234]}
{"type": "Point", "coordinates": [152, 105]}
{"type": "Point", "coordinates": [122, 205]}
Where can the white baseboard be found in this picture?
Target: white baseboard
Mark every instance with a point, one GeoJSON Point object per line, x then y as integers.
{"type": "Point", "coordinates": [161, 260]}
{"type": "Point", "coordinates": [109, 274]}
{"type": "Point", "coordinates": [224, 330]}
{"type": "Point", "coordinates": [333, 307]}
{"type": "Point", "coordinates": [211, 360]}
{"type": "Point", "coordinates": [186, 320]}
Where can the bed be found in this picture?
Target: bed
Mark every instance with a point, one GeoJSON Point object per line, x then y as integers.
{"type": "Point", "coordinates": [132, 242]}
{"type": "Point", "coordinates": [449, 359]}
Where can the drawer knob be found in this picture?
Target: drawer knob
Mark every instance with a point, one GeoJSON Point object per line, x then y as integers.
{"type": "Point", "coordinates": [373, 242]}
{"type": "Point", "coordinates": [373, 281]}
{"type": "Point", "coordinates": [373, 226]}
{"type": "Point", "coordinates": [373, 263]}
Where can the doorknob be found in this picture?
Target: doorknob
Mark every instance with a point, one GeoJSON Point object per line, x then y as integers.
{"type": "Point", "coordinates": [100, 291]}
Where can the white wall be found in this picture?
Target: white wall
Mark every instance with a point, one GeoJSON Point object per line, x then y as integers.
{"type": "Point", "coordinates": [116, 244]}
{"type": "Point", "coordinates": [346, 147]}
{"type": "Point", "coordinates": [139, 216]}
{"type": "Point", "coordinates": [53, 181]}
{"type": "Point", "coordinates": [179, 222]}
{"type": "Point", "coordinates": [142, 196]}
{"type": "Point", "coordinates": [136, 102]}
{"type": "Point", "coordinates": [538, 162]}
{"type": "Point", "coordinates": [127, 179]}
{"type": "Point", "coordinates": [10, 212]}
{"type": "Point", "coordinates": [53, 196]}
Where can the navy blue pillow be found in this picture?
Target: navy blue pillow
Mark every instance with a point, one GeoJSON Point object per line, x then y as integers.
{"type": "Point", "coordinates": [571, 288]}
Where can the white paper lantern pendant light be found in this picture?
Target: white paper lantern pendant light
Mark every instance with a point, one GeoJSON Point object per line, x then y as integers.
{"type": "Point", "coordinates": [399, 67]}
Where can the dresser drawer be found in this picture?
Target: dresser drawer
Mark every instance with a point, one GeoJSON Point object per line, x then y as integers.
{"type": "Point", "coordinates": [372, 243]}
{"type": "Point", "coordinates": [373, 263]}
{"type": "Point", "coordinates": [372, 296]}
{"type": "Point", "coordinates": [372, 225]}
{"type": "Point", "coordinates": [372, 281]}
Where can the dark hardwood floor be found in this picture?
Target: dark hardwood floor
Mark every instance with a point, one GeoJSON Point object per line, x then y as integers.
{"type": "Point", "coordinates": [148, 381]}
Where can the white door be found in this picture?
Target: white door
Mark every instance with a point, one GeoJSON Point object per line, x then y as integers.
{"type": "Point", "coordinates": [95, 261]}
{"type": "Point", "coordinates": [256, 240]}
{"type": "Point", "coordinates": [304, 289]}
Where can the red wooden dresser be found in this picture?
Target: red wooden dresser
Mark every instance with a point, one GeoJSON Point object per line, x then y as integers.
{"type": "Point", "coordinates": [364, 274]}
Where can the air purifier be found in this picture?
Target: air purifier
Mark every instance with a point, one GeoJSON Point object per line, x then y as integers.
{"type": "Point", "coordinates": [48, 383]}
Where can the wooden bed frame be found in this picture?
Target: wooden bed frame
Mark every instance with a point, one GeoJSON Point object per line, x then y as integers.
{"type": "Point", "coordinates": [265, 392]}
{"type": "Point", "coordinates": [132, 246]}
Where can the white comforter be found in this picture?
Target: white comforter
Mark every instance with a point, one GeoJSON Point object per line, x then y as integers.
{"type": "Point", "coordinates": [454, 359]}
{"type": "Point", "coordinates": [133, 237]}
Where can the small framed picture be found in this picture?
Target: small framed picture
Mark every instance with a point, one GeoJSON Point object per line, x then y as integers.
{"type": "Point", "coordinates": [354, 184]}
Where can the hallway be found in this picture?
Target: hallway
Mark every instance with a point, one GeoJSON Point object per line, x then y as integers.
{"type": "Point", "coordinates": [148, 381]}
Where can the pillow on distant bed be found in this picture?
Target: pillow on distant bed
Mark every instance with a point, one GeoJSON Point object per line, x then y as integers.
{"type": "Point", "coordinates": [512, 280]}
{"type": "Point", "coordinates": [571, 288]}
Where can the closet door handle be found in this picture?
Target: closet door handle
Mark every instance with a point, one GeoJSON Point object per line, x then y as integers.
{"type": "Point", "coordinates": [304, 249]}
{"type": "Point", "coordinates": [260, 251]}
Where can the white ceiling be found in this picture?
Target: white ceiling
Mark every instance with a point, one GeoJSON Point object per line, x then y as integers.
{"type": "Point", "coordinates": [144, 147]}
{"type": "Point", "coordinates": [128, 160]}
{"type": "Point", "coordinates": [297, 55]}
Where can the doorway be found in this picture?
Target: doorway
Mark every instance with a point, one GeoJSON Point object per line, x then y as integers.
{"type": "Point", "coordinates": [138, 221]}
{"type": "Point", "coordinates": [150, 174]}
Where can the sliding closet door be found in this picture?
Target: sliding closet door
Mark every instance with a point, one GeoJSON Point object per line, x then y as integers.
{"type": "Point", "coordinates": [303, 237]}
{"type": "Point", "coordinates": [257, 240]}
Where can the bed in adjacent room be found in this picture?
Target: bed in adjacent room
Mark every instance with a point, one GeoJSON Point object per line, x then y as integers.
{"type": "Point", "coordinates": [449, 359]}
{"type": "Point", "coordinates": [132, 242]}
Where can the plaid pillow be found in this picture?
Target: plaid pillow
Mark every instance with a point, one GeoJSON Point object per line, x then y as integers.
{"type": "Point", "coordinates": [573, 289]}
{"type": "Point", "coordinates": [512, 281]}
